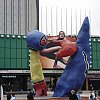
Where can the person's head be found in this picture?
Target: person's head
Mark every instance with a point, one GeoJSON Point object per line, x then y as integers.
{"type": "Point", "coordinates": [61, 35]}
{"type": "Point", "coordinates": [43, 41]}
{"type": "Point", "coordinates": [72, 92]}
{"type": "Point", "coordinates": [13, 94]}
{"type": "Point", "coordinates": [36, 40]}
{"type": "Point", "coordinates": [90, 85]}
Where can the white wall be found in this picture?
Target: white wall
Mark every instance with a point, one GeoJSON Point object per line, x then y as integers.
{"type": "Point", "coordinates": [88, 8]}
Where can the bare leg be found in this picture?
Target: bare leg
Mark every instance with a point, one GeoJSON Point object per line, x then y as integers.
{"type": "Point", "coordinates": [61, 60]}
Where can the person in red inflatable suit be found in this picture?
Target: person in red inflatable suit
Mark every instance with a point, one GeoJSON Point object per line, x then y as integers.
{"type": "Point", "coordinates": [68, 48]}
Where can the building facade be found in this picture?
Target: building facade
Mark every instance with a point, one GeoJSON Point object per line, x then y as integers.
{"type": "Point", "coordinates": [17, 17]}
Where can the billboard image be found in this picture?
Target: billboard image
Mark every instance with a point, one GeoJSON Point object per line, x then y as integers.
{"type": "Point", "coordinates": [48, 59]}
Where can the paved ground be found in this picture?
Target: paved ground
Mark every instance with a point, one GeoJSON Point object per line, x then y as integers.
{"type": "Point", "coordinates": [84, 96]}
{"type": "Point", "coordinates": [24, 97]}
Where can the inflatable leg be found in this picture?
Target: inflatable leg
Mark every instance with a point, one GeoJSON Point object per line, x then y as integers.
{"type": "Point", "coordinates": [41, 89]}
{"type": "Point", "coordinates": [36, 73]}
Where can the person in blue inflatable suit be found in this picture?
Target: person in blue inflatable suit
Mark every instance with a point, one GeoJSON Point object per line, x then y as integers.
{"type": "Point", "coordinates": [75, 71]}
{"type": "Point", "coordinates": [36, 42]}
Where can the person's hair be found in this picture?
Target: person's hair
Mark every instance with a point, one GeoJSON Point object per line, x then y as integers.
{"type": "Point", "coordinates": [63, 32]}
{"type": "Point", "coordinates": [29, 89]}
{"type": "Point", "coordinates": [13, 94]}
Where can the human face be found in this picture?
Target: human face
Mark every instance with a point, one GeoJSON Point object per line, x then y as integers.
{"type": "Point", "coordinates": [43, 41]}
{"type": "Point", "coordinates": [61, 35]}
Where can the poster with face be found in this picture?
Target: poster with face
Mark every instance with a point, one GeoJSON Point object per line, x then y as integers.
{"type": "Point", "coordinates": [48, 59]}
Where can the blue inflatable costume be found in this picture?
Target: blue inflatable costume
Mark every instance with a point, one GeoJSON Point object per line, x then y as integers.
{"type": "Point", "coordinates": [74, 74]}
{"type": "Point", "coordinates": [36, 41]}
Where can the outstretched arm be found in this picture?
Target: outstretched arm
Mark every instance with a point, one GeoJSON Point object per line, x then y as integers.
{"type": "Point", "coordinates": [67, 50]}
{"type": "Point", "coordinates": [51, 49]}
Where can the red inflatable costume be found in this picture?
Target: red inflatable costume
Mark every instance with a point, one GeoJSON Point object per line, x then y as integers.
{"type": "Point", "coordinates": [68, 48]}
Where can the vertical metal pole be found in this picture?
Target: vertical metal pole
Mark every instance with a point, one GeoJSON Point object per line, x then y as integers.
{"type": "Point", "coordinates": [51, 22]}
{"type": "Point", "coordinates": [66, 21]}
{"type": "Point", "coordinates": [28, 16]}
{"type": "Point", "coordinates": [4, 16]}
{"type": "Point", "coordinates": [37, 8]}
{"type": "Point", "coordinates": [86, 83]}
{"type": "Point", "coordinates": [56, 22]}
{"type": "Point", "coordinates": [61, 18]}
{"type": "Point", "coordinates": [71, 21]}
{"type": "Point", "coordinates": [25, 16]}
{"type": "Point", "coordinates": [90, 21]}
{"type": "Point", "coordinates": [80, 17]}
{"type": "Point", "coordinates": [18, 16]}
{"type": "Point", "coordinates": [5, 19]}
{"type": "Point", "coordinates": [41, 19]}
{"type": "Point", "coordinates": [11, 17]}
{"type": "Point", "coordinates": [85, 12]}
{"type": "Point", "coordinates": [76, 20]}
{"type": "Point", "coordinates": [46, 22]}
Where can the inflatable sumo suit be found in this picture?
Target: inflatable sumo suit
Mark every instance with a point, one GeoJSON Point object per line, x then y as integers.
{"type": "Point", "coordinates": [74, 74]}
{"type": "Point", "coordinates": [33, 40]}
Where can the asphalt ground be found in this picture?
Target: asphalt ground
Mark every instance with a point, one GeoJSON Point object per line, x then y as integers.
{"type": "Point", "coordinates": [84, 96]}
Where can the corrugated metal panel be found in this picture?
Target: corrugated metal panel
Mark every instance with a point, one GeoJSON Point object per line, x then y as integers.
{"type": "Point", "coordinates": [14, 52]}
{"type": "Point", "coordinates": [17, 16]}
{"type": "Point", "coordinates": [95, 53]}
